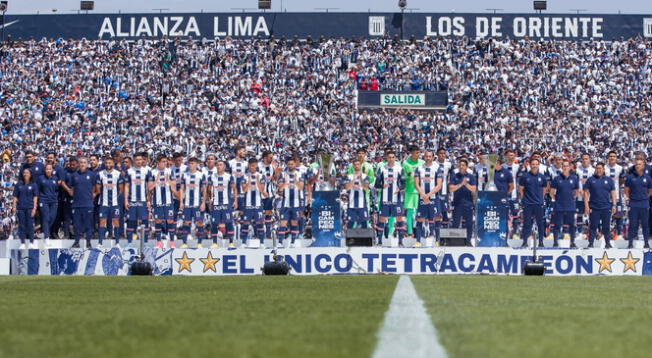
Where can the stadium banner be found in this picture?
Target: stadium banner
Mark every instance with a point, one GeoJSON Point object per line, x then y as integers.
{"type": "Point", "coordinates": [326, 218]}
{"type": "Point", "coordinates": [403, 99]}
{"type": "Point", "coordinates": [492, 210]}
{"type": "Point", "coordinates": [331, 260]}
{"type": "Point", "coordinates": [258, 24]}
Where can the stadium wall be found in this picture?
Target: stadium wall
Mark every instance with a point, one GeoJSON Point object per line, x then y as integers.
{"type": "Point", "coordinates": [246, 25]}
{"type": "Point", "coordinates": [319, 261]}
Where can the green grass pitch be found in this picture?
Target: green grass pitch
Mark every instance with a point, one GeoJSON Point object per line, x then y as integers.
{"type": "Point", "coordinates": [319, 316]}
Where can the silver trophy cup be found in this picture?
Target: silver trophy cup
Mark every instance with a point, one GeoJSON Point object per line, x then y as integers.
{"type": "Point", "coordinates": [490, 163]}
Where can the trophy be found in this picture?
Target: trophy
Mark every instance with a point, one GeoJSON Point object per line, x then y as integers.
{"type": "Point", "coordinates": [326, 166]}
{"type": "Point", "coordinates": [489, 161]}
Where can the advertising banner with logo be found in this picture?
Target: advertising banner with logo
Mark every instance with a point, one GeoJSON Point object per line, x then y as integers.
{"type": "Point", "coordinates": [492, 210]}
{"type": "Point", "coordinates": [334, 260]}
{"type": "Point", "coordinates": [238, 25]}
{"type": "Point", "coordinates": [326, 218]}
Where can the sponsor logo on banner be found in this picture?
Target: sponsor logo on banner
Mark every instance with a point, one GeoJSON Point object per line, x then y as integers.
{"type": "Point", "coordinates": [647, 27]}
{"type": "Point", "coordinates": [403, 99]}
{"type": "Point", "coordinates": [376, 25]}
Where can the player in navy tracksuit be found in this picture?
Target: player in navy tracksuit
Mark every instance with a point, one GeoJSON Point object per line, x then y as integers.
{"type": "Point", "coordinates": [503, 178]}
{"type": "Point", "coordinates": [81, 188]}
{"type": "Point", "coordinates": [532, 187]}
{"type": "Point", "coordinates": [638, 189]}
{"type": "Point", "coordinates": [60, 173]}
{"type": "Point", "coordinates": [463, 185]}
{"type": "Point", "coordinates": [67, 220]}
{"type": "Point", "coordinates": [600, 198]}
{"type": "Point", "coordinates": [36, 168]}
{"type": "Point", "coordinates": [648, 171]}
{"type": "Point", "coordinates": [564, 189]}
{"type": "Point", "coordinates": [25, 201]}
{"type": "Point", "coordinates": [48, 187]}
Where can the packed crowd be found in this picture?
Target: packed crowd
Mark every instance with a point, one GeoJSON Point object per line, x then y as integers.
{"type": "Point", "coordinates": [78, 97]}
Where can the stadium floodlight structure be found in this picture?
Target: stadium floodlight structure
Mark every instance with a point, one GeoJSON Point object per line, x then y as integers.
{"type": "Point", "coordinates": [402, 4]}
{"type": "Point", "coordinates": [264, 4]}
{"type": "Point", "coordinates": [3, 8]}
{"type": "Point", "coordinates": [540, 5]}
{"type": "Point", "coordinates": [87, 6]}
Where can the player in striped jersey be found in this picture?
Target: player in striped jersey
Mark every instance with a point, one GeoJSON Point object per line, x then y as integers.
{"type": "Point", "coordinates": [444, 167]}
{"type": "Point", "coordinates": [162, 190]}
{"type": "Point", "coordinates": [136, 201]}
{"type": "Point", "coordinates": [208, 169]}
{"type": "Point", "coordinates": [357, 184]}
{"type": "Point", "coordinates": [192, 194]}
{"type": "Point", "coordinates": [237, 168]}
{"type": "Point", "coordinates": [221, 194]}
{"type": "Point", "coordinates": [428, 182]}
{"type": "Point", "coordinates": [271, 172]}
{"type": "Point", "coordinates": [389, 179]}
{"type": "Point", "coordinates": [253, 186]}
{"type": "Point", "coordinates": [616, 172]}
{"type": "Point", "coordinates": [109, 185]}
{"type": "Point", "coordinates": [291, 185]}
{"type": "Point", "coordinates": [178, 168]}
{"type": "Point", "coordinates": [584, 172]}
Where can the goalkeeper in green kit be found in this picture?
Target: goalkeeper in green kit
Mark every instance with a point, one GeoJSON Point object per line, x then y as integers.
{"type": "Point", "coordinates": [411, 202]}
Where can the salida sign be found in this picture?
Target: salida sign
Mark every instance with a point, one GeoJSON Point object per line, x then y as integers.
{"type": "Point", "coordinates": [401, 99]}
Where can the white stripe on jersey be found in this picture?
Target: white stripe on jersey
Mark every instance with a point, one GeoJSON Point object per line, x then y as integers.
{"type": "Point", "coordinates": [390, 177]}
{"type": "Point", "coordinates": [554, 172]}
{"type": "Point", "coordinates": [238, 168]}
{"type": "Point", "coordinates": [357, 195]}
{"type": "Point", "coordinates": [192, 189]}
{"type": "Point", "coordinates": [615, 173]}
{"type": "Point", "coordinates": [514, 170]}
{"type": "Point", "coordinates": [177, 172]}
{"type": "Point", "coordinates": [162, 191]}
{"type": "Point", "coordinates": [291, 194]}
{"type": "Point", "coordinates": [268, 173]}
{"type": "Point", "coordinates": [444, 169]}
{"type": "Point", "coordinates": [109, 182]}
{"type": "Point", "coordinates": [221, 188]}
{"type": "Point", "coordinates": [208, 172]}
{"type": "Point", "coordinates": [428, 178]}
{"type": "Point", "coordinates": [303, 172]}
{"type": "Point", "coordinates": [137, 180]}
{"type": "Point", "coordinates": [253, 196]}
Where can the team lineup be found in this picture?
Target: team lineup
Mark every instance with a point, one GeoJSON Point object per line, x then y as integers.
{"type": "Point", "coordinates": [253, 199]}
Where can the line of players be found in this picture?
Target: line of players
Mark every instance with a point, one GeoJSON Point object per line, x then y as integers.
{"type": "Point", "coordinates": [386, 196]}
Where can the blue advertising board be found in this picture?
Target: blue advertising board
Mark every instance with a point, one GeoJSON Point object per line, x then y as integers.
{"type": "Point", "coordinates": [368, 25]}
{"type": "Point", "coordinates": [326, 218]}
{"type": "Point", "coordinates": [492, 210]}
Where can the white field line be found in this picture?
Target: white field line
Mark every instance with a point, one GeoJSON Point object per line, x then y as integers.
{"type": "Point", "coordinates": [407, 330]}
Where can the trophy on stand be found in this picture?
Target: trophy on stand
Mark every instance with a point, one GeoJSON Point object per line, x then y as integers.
{"type": "Point", "coordinates": [326, 166]}
{"type": "Point", "coordinates": [489, 161]}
